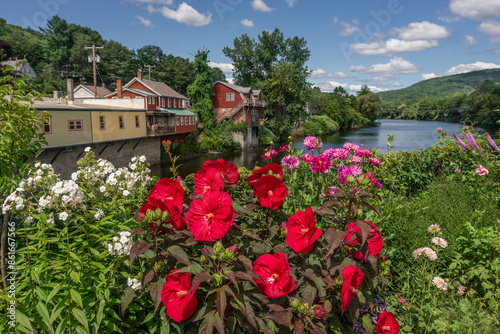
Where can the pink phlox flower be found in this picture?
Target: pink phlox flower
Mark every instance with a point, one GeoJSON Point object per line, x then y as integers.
{"type": "Point", "coordinates": [481, 170]}
{"type": "Point", "coordinates": [460, 142]}
{"type": "Point", "coordinates": [461, 290]}
{"type": "Point", "coordinates": [374, 161]}
{"type": "Point", "coordinates": [321, 164]}
{"type": "Point", "coordinates": [440, 129]}
{"type": "Point", "coordinates": [339, 153]}
{"type": "Point", "coordinates": [376, 183]}
{"type": "Point", "coordinates": [269, 154]}
{"type": "Point", "coordinates": [312, 143]}
{"type": "Point", "coordinates": [364, 152]}
{"type": "Point", "coordinates": [308, 157]}
{"type": "Point", "coordinates": [457, 170]}
{"type": "Point", "coordinates": [284, 148]}
{"type": "Point", "coordinates": [351, 147]}
{"type": "Point", "coordinates": [355, 170]}
{"type": "Point", "coordinates": [290, 162]}
{"type": "Point", "coordinates": [492, 143]}
{"type": "Point", "coordinates": [470, 139]}
{"type": "Point", "coordinates": [355, 160]}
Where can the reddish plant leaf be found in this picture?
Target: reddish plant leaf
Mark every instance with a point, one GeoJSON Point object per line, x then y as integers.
{"type": "Point", "coordinates": [365, 230]}
{"type": "Point", "coordinates": [155, 291]}
{"type": "Point", "coordinates": [308, 293]}
{"type": "Point", "coordinates": [260, 248]}
{"type": "Point", "coordinates": [218, 324]}
{"type": "Point", "coordinates": [229, 291]}
{"type": "Point", "coordinates": [128, 296]}
{"type": "Point", "coordinates": [179, 254]}
{"type": "Point", "coordinates": [136, 231]}
{"type": "Point", "coordinates": [207, 325]}
{"type": "Point", "coordinates": [221, 301]}
{"type": "Point", "coordinates": [149, 274]}
{"type": "Point", "coordinates": [276, 308]}
{"type": "Point", "coordinates": [238, 304]}
{"type": "Point", "coordinates": [298, 327]}
{"type": "Point", "coordinates": [247, 263]}
{"type": "Point", "coordinates": [138, 248]}
{"type": "Point", "coordinates": [334, 238]}
{"type": "Point", "coordinates": [252, 235]}
{"type": "Point", "coordinates": [283, 318]}
{"type": "Point", "coordinates": [247, 276]}
{"type": "Point", "coordinates": [232, 278]}
{"type": "Point", "coordinates": [199, 278]}
{"type": "Point", "coordinates": [251, 206]}
{"type": "Point", "coordinates": [371, 207]}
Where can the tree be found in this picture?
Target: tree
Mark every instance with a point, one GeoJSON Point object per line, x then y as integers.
{"type": "Point", "coordinates": [57, 44]}
{"type": "Point", "coordinates": [177, 72]}
{"type": "Point", "coordinates": [368, 104]}
{"type": "Point", "coordinates": [200, 91]}
{"type": "Point", "coordinates": [218, 75]}
{"type": "Point", "coordinates": [149, 55]}
{"type": "Point", "coordinates": [5, 50]}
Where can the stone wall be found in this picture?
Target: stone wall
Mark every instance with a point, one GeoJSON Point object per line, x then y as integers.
{"type": "Point", "coordinates": [250, 141]}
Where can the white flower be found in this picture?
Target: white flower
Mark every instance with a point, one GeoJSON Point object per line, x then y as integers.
{"type": "Point", "coordinates": [126, 193]}
{"type": "Point", "coordinates": [102, 189]}
{"type": "Point", "coordinates": [39, 172]}
{"type": "Point", "coordinates": [142, 158]}
{"type": "Point", "coordinates": [134, 283]}
{"type": "Point", "coordinates": [134, 159]}
{"type": "Point", "coordinates": [45, 166]}
{"type": "Point", "coordinates": [63, 216]}
{"type": "Point", "coordinates": [87, 149]}
{"type": "Point", "coordinates": [440, 283]}
{"type": "Point", "coordinates": [99, 214]}
{"type": "Point", "coordinates": [74, 176]}
{"type": "Point", "coordinates": [37, 164]}
{"type": "Point", "coordinates": [51, 219]}
{"type": "Point", "coordinates": [440, 242]}
{"type": "Point", "coordinates": [425, 251]}
{"type": "Point", "coordinates": [28, 219]}
{"type": "Point", "coordinates": [133, 166]}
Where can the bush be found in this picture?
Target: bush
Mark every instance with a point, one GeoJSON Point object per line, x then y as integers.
{"type": "Point", "coordinates": [320, 124]}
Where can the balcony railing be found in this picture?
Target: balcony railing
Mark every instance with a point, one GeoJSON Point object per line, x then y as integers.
{"type": "Point", "coordinates": [155, 130]}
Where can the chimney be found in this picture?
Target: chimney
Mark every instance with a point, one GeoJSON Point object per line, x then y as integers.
{"type": "Point", "coordinates": [119, 93]}
{"type": "Point", "coordinates": [16, 59]}
{"type": "Point", "coordinates": [69, 87]}
{"type": "Point", "coordinates": [139, 74]}
{"type": "Point", "coordinates": [103, 85]}
{"type": "Point", "coordinates": [10, 58]}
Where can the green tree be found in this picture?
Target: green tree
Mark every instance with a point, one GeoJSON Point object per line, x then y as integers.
{"type": "Point", "coordinates": [117, 62]}
{"type": "Point", "coordinates": [369, 105]}
{"type": "Point", "coordinates": [57, 43]}
{"type": "Point", "coordinates": [218, 75]}
{"type": "Point", "coordinates": [177, 72]}
{"type": "Point", "coordinates": [200, 91]}
{"type": "Point", "coordinates": [149, 55]}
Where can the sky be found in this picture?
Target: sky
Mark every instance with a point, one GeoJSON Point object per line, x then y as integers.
{"type": "Point", "coordinates": [385, 44]}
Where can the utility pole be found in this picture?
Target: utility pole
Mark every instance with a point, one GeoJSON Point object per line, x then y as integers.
{"type": "Point", "coordinates": [149, 67]}
{"type": "Point", "coordinates": [93, 47]}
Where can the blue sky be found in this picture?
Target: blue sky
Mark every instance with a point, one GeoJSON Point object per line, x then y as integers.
{"type": "Point", "coordinates": [385, 44]}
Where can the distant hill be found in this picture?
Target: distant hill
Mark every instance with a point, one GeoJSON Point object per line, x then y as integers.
{"type": "Point", "coordinates": [443, 86]}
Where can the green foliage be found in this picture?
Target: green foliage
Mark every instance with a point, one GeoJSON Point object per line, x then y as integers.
{"type": "Point", "coordinates": [220, 138]}
{"type": "Point", "coordinates": [368, 104]}
{"type": "Point", "coordinates": [320, 124]}
{"type": "Point", "coordinates": [200, 91]}
{"type": "Point", "coordinates": [188, 146]}
{"type": "Point", "coordinates": [267, 136]}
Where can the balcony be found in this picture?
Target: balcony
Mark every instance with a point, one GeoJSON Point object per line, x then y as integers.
{"type": "Point", "coordinates": [154, 131]}
{"type": "Point", "coordinates": [255, 103]}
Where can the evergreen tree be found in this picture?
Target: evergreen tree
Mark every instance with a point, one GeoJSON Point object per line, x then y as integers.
{"type": "Point", "coordinates": [200, 91]}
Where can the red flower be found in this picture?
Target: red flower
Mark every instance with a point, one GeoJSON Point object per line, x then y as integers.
{"type": "Point", "coordinates": [168, 206]}
{"type": "Point", "coordinates": [387, 323]}
{"type": "Point", "coordinates": [228, 169]}
{"type": "Point", "coordinates": [319, 311]}
{"type": "Point", "coordinates": [302, 231]}
{"type": "Point", "coordinates": [179, 302]}
{"type": "Point", "coordinates": [210, 217]}
{"type": "Point", "coordinates": [270, 191]}
{"type": "Point", "coordinates": [375, 240]}
{"type": "Point", "coordinates": [270, 169]}
{"type": "Point", "coordinates": [353, 277]}
{"type": "Point", "coordinates": [274, 271]}
{"type": "Point", "coordinates": [168, 189]}
{"type": "Point", "coordinates": [208, 179]}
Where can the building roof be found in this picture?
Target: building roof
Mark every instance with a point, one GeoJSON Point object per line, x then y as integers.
{"type": "Point", "coordinates": [239, 89]}
{"type": "Point", "coordinates": [256, 92]}
{"type": "Point", "coordinates": [53, 104]}
{"type": "Point", "coordinates": [159, 88]}
{"type": "Point", "coordinates": [179, 111]}
{"type": "Point", "coordinates": [101, 91]}
{"type": "Point", "coordinates": [139, 91]}
{"type": "Point", "coordinates": [13, 63]}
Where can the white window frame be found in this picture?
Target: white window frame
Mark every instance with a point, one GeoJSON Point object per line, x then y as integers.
{"type": "Point", "coordinates": [229, 97]}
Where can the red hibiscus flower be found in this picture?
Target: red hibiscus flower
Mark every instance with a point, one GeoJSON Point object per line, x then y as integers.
{"type": "Point", "coordinates": [228, 169]}
{"type": "Point", "coordinates": [179, 302]}
{"type": "Point", "coordinates": [210, 217]}
{"type": "Point", "coordinates": [375, 240]}
{"type": "Point", "coordinates": [387, 323]}
{"type": "Point", "coordinates": [353, 277]}
{"type": "Point", "coordinates": [270, 169]}
{"type": "Point", "coordinates": [302, 231]}
{"type": "Point", "coordinates": [208, 179]}
{"type": "Point", "coordinates": [270, 191]}
{"type": "Point", "coordinates": [274, 271]}
{"type": "Point", "coordinates": [174, 214]}
{"type": "Point", "coordinates": [168, 189]}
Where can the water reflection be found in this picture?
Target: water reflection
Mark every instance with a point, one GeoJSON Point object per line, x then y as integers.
{"type": "Point", "coordinates": [410, 136]}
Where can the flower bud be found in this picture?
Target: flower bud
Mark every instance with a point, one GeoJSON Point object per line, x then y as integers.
{"type": "Point", "coordinates": [228, 254]}
{"type": "Point", "coordinates": [233, 248]}
{"type": "Point", "coordinates": [302, 308]}
{"type": "Point", "coordinates": [203, 259]}
{"type": "Point", "coordinates": [294, 303]}
{"type": "Point", "coordinates": [140, 216]}
{"type": "Point", "coordinates": [165, 216]}
{"type": "Point", "coordinates": [218, 248]}
{"type": "Point", "coordinates": [351, 179]}
{"type": "Point", "coordinates": [319, 311]}
{"type": "Point", "coordinates": [217, 279]}
{"type": "Point", "coordinates": [339, 281]}
{"type": "Point", "coordinates": [383, 258]}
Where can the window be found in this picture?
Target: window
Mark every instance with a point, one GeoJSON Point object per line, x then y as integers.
{"type": "Point", "coordinates": [47, 125]}
{"type": "Point", "coordinates": [189, 120]}
{"type": "Point", "coordinates": [229, 97]}
{"type": "Point", "coordinates": [162, 101]}
{"type": "Point", "coordinates": [175, 103]}
{"type": "Point", "coordinates": [137, 124]}
{"type": "Point", "coordinates": [186, 120]}
{"type": "Point", "coordinates": [149, 100]}
{"type": "Point", "coordinates": [182, 120]}
{"type": "Point", "coordinates": [120, 120]}
{"type": "Point", "coordinates": [102, 122]}
{"type": "Point", "coordinates": [169, 102]}
{"type": "Point", "coordinates": [178, 120]}
{"type": "Point", "coordinates": [75, 125]}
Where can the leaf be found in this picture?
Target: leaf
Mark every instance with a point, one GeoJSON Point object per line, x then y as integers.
{"type": "Point", "coordinates": [283, 318]}
{"type": "Point", "coordinates": [179, 254]}
{"type": "Point", "coordinates": [276, 308]}
{"type": "Point", "coordinates": [218, 323]}
{"type": "Point", "coordinates": [371, 207]}
{"type": "Point", "coordinates": [247, 263]}
{"type": "Point", "coordinates": [138, 248]}
{"type": "Point", "coordinates": [367, 324]}
{"type": "Point", "coordinates": [232, 278]}
{"type": "Point", "coordinates": [54, 291]}
{"type": "Point", "coordinates": [199, 278]}
{"type": "Point", "coordinates": [81, 317]}
{"type": "Point", "coordinates": [365, 230]}
{"type": "Point", "coordinates": [155, 292]}
{"type": "Point", "coordinates": [221, 301]}
{"type": "Point", "coordinates": [128, 296]}
{"type": "Point", "coordinates": [247, 276]}
{"type": "Point", "coordinates": [239, 305]}
{"type": "Point", "coordinates": [298, 327]}
{"type": "Point", "coordinates": [334, 238]}
{"type": "Point", "coordinates": [148, 275]}
{"type": "Point", "coordinates": [42, 311]}
{"type": "Point", "coordinates": [308, 293]}
{"type": "Point", "coordinates": [207, 325]}
{"type": "Point", "coordinates": [57, 310]}
{"type": "Point", "coordinates": [76, 297]}
{"type": "Point", "coordinates": [260, 248]}
{"type": "Point", "coordinates": [194, 268]}
{"type": "Point", "coordinates": [252, 235]}
{"type": "Point", "coordinates": [136, 231]}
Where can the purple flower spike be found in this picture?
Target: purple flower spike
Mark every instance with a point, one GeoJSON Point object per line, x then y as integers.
{"type": "Point", "coordinates": [460, 142]}
{"type": "Point", "coordinates": [470, 139]}
{"type": "Point", "coordinates": [492, 143]}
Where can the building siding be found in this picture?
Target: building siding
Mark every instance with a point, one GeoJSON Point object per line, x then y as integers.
{"type": "Point", "coordinates": [219, 100]}
{"type": "Point", "coordinates": [112, 129]}
{"type": "Point", "coordinates": [61, 135]}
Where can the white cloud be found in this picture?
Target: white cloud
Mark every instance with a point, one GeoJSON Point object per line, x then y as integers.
{"type": "Point", "coordinates": [349, 29]}
{"type": "Point", "coordinates": [476, 9]}
{"type": "Point", "coordinates": [261, 6]}
{"type": "Point", "coordinates": [291, 3]}
{"type": "Point", "coordinates": [470, 40]}
{"type": "Point", "coordinates": [144, 21]}
{"type": "Point", "coordinates": [491, 29]}
{"type": "Point", "coordinates": [331, 85]}
{"type": "Point", "coordinates": [320, 73]}
{"type": "Point", "coordinates": [159, 2]}
{"type": "Point", "coordinates": [185, 14]}
{"type": "Point", "coordinates": [422, 31]}
{"type": "Point", "coordinates": [391, 46]}
{"type": "Point", "coordinates": [225, 67]}
{"type": "Point", "coordinates": [477, 66]}
{"type": "Point", "coordinates": [231, 80]}
{"type": "Point", "coordinates": [247, 23]}
{"type": "Point", "coordinates": [426, 76]}
{"type": "Point", "coordinates": [449, 19]}
{"type": "Point", "coordinates": [396, 65]}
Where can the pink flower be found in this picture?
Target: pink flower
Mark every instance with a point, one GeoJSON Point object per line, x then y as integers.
{"type": "Point", "coordinates": [269, 154]}
{"type": "Point", "coordinates": [337, 153]}
{"type": "Point", "coordinates": [290, 162]}
{"type": "Point", "coordinates": [312, 143]}
{"type": "Point", "coordinates": [461, 290]}
{"type": "Point", "coordinates": [481, 170]}
{"type": "Point", "coordinates": [440, 129]}
{"type": "Point", "coordinates": [308, 157]}
{"type": "Point", "coordinates": [351, 147]}
{"type": "Point", "coordinates": [374, 161]}
{"type": "Point", "coordinates": [355, 160]}
{"type": "Point", "coordinates": [457, 170]}
{"type": "Point", "coordinates": [355, 170]}
{"type": "Point", "coordinates": [321, 164]}
{"type": "Point", "coordinates": [492, 143]}
{"type": "Point", "coordinates": [284, 148]}
{"type": "Point", "coordinates": [364, 152]}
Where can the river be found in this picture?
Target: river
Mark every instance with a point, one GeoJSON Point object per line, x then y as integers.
{"type": "Point", "coordinates": [410, 136]}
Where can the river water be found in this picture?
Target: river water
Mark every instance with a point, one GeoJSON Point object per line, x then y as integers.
{"type": "Point", "coordinates": [410, 136]}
